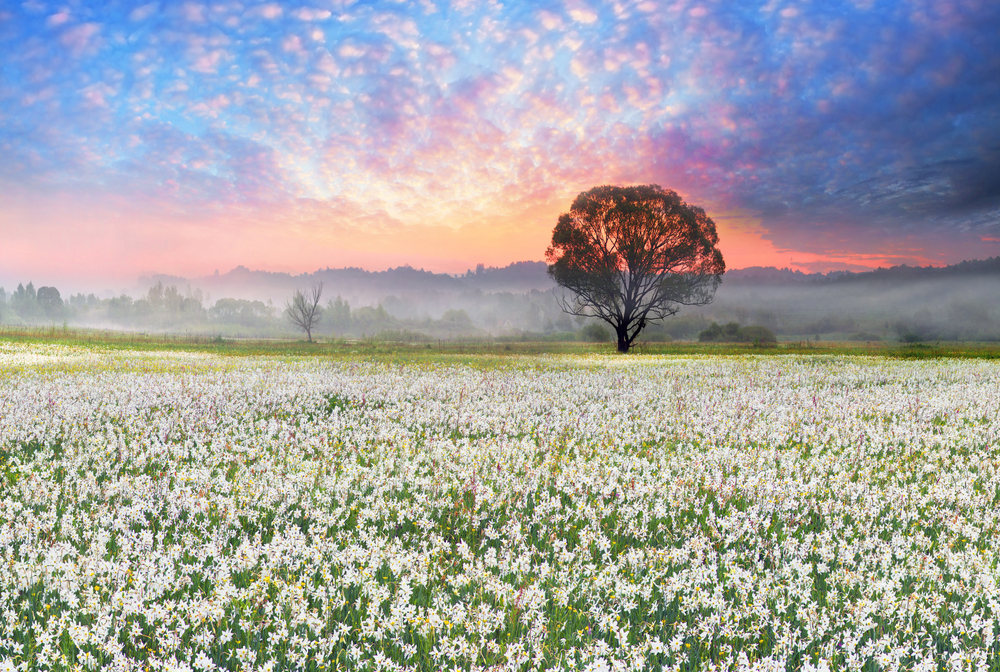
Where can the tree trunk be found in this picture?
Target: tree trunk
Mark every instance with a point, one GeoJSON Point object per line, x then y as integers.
{"type": "Point", "coordinates": [623, 344]}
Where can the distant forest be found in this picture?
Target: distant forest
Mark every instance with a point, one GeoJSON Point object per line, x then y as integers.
{"type": "Point", "coordinates": [519, 301]}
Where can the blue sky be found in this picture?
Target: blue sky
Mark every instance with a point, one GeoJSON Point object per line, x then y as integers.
{"type": "Point", "coordinates": [185, 137]}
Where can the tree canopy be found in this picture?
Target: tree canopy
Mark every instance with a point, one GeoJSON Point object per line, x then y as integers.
{"type": "Point", "coordinates": [634, 254]}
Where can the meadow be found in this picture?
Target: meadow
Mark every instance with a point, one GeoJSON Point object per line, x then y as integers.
{"type": "Point", "coordinates": [253, 507]}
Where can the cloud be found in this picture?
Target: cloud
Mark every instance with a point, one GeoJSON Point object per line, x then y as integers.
{"type": "Point", "coordinates": [57, 19]}
{"type": "Point", "coordinates": [841, 127]}
{"type": "Point", "coordinates": [193, 12]}
{"type": "Point", "coordinates": [143, 12]}
{"type": "Point", "coordinates": [34, 7]}
{"type": "Point", "coordinates": [311, 14]}
{"type": "Point", "coordinates": [268, 11]}
{"type": "Point", "coordinates": [81, 39]}
{"type": "Point", "coordinates": [96, 95]}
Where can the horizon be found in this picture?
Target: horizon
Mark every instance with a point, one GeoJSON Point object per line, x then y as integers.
{"type": "Point", "coordinates": [180, 139]}
{"type": "Point", "coordinates": [141, 283]}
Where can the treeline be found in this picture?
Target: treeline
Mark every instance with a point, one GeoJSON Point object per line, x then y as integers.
{"type": "Point", "coordinates": [29, 304]}
{"type": "Point", "coordinates": [959, 321]}
{"type": "Point", "coordinates": [902, 274]}
{"type": "Point", "coordinates": [532, 315]}
{"type": "Point", "coordinates": [159, 308]}
{"type": "Point", "coordinates": [953, 303]}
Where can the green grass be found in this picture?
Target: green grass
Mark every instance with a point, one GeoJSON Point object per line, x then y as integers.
{"type": "Point", "coordinates": [468, 351]}
{"type": "Point", "coordinates": [413, 483]}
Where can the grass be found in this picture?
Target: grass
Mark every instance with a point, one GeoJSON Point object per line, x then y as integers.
{"type": "Point", "coordinates": [460, 351]}
{"type": "Point", "coordinates": [302, 499]}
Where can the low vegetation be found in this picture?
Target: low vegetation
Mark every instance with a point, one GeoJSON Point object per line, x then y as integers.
{"type": "Point", "coordinates": [186, 509]}
{"type": "Point", "coordinates": [732, 332]}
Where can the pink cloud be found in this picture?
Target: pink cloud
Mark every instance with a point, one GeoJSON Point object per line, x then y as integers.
{"type": "Point", "coordinates": [47, 93]}
{"type": "Point", "coordinates": [96, 95]}
{"type": "Point", "coordinates": [269, 11]}
{"type": "Point", "coordinates": [193, 12]}
{"type": "Point", "coordinates": [81, 39]}
{"type": "Point", "coordinates": [212, 107]}
{"type": "Point", "coordinates": [293, 45]}
{"type": "Point", "coordinates": [549, 20]}
{"type": "Point", "coordinates": [326, 64]}
{"type": "Point", "coordinates": [208, 62]}
{"type": "Point", "coordinates": [57, 19]}
{"type": "Point", "coordinates": [310, 14]}
{"type": "Point", "coordinates": [582, 14]}
{"type": "Point", "coordinates": [351, 51]}
{"type": "Point", "coordinates": [143, 12]}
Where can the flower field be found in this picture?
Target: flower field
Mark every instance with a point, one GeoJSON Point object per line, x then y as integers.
{"type": "Point", "coordinates": [195, 512]}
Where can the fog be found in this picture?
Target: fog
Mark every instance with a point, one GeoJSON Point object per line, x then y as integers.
{"type": "Point", "coordinates": [896, 304]}
{"type": "Point", "coordinates": [521, 302]}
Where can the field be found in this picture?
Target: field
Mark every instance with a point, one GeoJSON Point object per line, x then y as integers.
{"type": "Point", "coordinates": [203, 508]}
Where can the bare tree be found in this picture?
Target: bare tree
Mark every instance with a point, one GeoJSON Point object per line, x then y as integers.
{"type": "Point", "coordinates": [304, 310]}
{"type": "Point", "coordinates": [634, 254]}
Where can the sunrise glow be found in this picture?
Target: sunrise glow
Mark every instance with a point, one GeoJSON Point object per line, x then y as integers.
{"type": "Point", "coordinates": [187, 137]}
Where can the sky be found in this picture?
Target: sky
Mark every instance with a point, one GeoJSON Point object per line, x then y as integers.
{"type": "Point", "coordinates": [189, 137]}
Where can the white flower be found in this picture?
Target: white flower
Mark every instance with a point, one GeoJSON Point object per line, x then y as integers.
{"type": "Point", "coordinates": [598, 665]}
{"type": "Point", "coordinates": [203, 662]}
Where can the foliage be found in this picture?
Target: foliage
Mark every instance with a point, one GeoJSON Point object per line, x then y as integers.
{"type": "Point", "coordinates": [241, 311]}
{"type": "Point", "coordinates": [732, 332]}
{"type": "Point", "coordinates": [596, 333]}
{"type": "Point", "coordinates": [338, 314]}
{"type": "Point", "coordinates": [457, 319]}
{"type": "Point", "coordinates": [50, 302]}
{"type": "Point", "coordinates": [367, 320]}
{"type": "Point", "coordinates": [732, 513]}
{"type": "Point", "coordinates": [630, 255]}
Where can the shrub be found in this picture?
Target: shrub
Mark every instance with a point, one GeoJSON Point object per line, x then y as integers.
{"type": "Point", "coordinates": [756, 335]}
{"type": "Point", "coordinates": [713, 333]}
{"type": "Point", "coordinates": [734, 333]}
{"type": "Point", "coordinates": [596, 333]}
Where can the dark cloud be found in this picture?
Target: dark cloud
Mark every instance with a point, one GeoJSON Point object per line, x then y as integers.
{"type": "Point", "coordinates": [883, 126]}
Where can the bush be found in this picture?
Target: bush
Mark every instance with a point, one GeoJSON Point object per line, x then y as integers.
{"type": "Point", "coordinates": [595, 333]}
{"type": "Point", "coordinates": [756, 335]}
{"type": "Point", "coordinates": [864, 336]}
{"type": "Point", "coordinates": [685, 326]}
{"type": "Point", "coordinates": [734, 333]}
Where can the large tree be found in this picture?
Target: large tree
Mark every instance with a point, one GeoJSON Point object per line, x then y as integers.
{"type": "Point", "coordinates": [630, 255]}
{"type": "Point", "coordinates": [50, 301]}
{"type": "Point", "coordinates": [304, 310]}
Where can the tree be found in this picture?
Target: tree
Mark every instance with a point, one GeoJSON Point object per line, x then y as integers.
{"type": "Point", "coordinates": [634, 254]}
{"type": "Point", "coordinates": [304, 310]}
{"type": "Point", "coordinates": [339, 312]}
{"type": "Point", "coordinates": [50, 301]}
